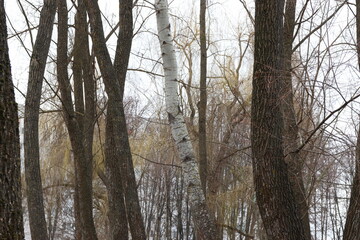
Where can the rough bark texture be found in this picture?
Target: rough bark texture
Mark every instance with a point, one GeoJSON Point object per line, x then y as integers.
{"type": "Point", "coordinates": [203, 165]}
{"type": "Point", "coordinates": [124, 42]}
{"type": "Point", "coordinates": [80, 18]}
{"type": "Point", "coordinates": [31, 131]}
{"type": "Point", "coordinates": [75, 120]}
{"type": "Point", "coordinates": [117, 118]}
{"type": "Point", "coordinates": [274, 194]}
{"type": "Point", "coordinates": [11, 220]}
{"type": "Point", "coordinates": [84, 82]}
{"type": "Point", "coordinates": [352, 225]}
{"type": "Point", "coordinates": [117, 214]}
{"type": "Point", "coordinates": [204, 224]}
{"type": "Point", "coordinates": [291, 129]}
{"type": "Point", "coordinates": [351, 230]}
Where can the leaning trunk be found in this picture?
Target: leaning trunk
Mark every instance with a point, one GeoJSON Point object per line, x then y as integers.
{"type": "Point", "coordinates": [117, 118]}
{"type": "Point", "coordinates": [204, 224]}
{"type": "Point", "coordinates": [31, 121]}
{"type": "Point", "coordinates": [116, 171]}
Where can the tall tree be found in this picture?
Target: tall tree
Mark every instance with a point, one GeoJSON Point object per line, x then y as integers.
{"type": "Point", "coordinates": [291, 129]}
{"type": "Point", "coordinates": [352, 225]}
{"type": "Point", "coordinates": [79, 121]}
{"type": "Point", "coordinates": [274, 194]}
{"type": "Point", "coordinates": [117, 180]}
{"type": "Point", "coordinates": [31, 121]}
{"type": "Point", "coordinates": [203, 165]}
{"type": "Point", "coordinates": [116, 116]}
{"type": "Point", "coordinates": [204, 224]}
{"type": "Point", "coordinates": [11, 220]}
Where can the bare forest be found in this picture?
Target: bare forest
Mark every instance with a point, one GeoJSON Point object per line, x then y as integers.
{"type": "Point", "coordinates": [180, 120]}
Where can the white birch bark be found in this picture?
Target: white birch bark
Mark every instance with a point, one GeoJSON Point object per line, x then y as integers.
{"type": "Point", "coordinates": [204, 224]}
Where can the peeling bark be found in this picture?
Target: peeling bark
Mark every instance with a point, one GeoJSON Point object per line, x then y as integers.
{"type": "Point", "coordinates": [204, 224]}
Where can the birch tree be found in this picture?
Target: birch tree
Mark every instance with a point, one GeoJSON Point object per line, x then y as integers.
{"type": "Point", "coordinates": [204, 224]}
{"type": "Point", "coordinates": [11, 219]}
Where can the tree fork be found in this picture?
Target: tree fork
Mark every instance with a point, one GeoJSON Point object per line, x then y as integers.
{"type": "Point", "coordinates": [113, 89]}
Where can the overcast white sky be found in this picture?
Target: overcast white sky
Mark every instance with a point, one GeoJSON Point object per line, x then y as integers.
{"type": "Point", "coordinates": [229, 12]}
{"type": "Point", "coordinates": [227, 17]}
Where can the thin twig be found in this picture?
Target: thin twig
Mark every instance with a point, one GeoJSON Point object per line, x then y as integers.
{"type": "Point", "coordinates": [237, 230]}
{"type": "Point", "coordinates": [323, 122]}
{"type": "Point", "coordinates": [164, 164]}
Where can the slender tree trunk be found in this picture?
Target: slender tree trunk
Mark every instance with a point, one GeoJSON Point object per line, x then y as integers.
{"type": "Point", "coordinates": [75, 120]}
{"type": "Point", "coordinates": [11, 219]}
{"type": "Point", "coordinates": [117, 118]}
{"type": "Point", "coordinates": [84, 84]}
{"type": "Point", "coordinates": [291, 129]}
{"type": "Point", "coordinates": [204, 224]}
{"type": "Point", "coordinates": [203, 165]}
{"type": "Point", "coordinates": [116, 171]}
{"type": "Point", "coordinates": [179, 208]}
{"type": "Point", "coordinates": [169, 214]}
{"type": "Point", "coordinates": [352, 225]}
{"type": "Point", "coordinates": [31, 130]}
{"type": "Point", "coordinates": [274, 194]}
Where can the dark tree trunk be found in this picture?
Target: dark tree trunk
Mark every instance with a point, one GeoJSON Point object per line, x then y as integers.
{"type": "Point", "coordinates": [352, 225]}
{"type": "Point", "coordinates": [117, 212]}
{"type": "Point", "coordinates": [291, 129]}
{"type": "Point", "coordinates": [31, 130]}
{"type": "Point", "coordinates": [116, 171]}
{"type": "Point", "coordinates": [203, 165]}
{"type": "Point", "coordinates": [11, 220]}
{"type": "Point", "coordinates": [75, 120]}
{"type": "Point", "coordinates": [274, 194]}
{"type": "Point", "coordinates": [114, 89]}
{"type": "Point", "coordinates": [83, 83]}
{"type": "Point", "coordinates": [351, 230]}
{"type": "Point", "coordinates": [77, 75]}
